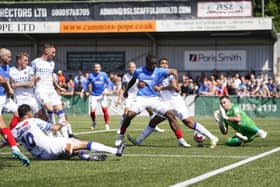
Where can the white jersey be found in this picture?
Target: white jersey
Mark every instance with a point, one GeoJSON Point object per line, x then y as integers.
{"type": "Point", "coordinates": [168, 94]}
{"type": "Point", "coordinates": [22, 76]}
{"type": "Point", "coordinates": [30, 133]}
{"type": "Point", "coordinates": [125, 80]}
{"type": "Point", "coordinates": [174, 100]}
{"type": "Point", "coordinates": [44, 70]}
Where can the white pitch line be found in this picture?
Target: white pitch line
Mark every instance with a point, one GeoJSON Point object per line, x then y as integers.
{"type": "Point", "coordinates": [112, 130]}
{"type": "Point", "coordinates": [223, 169]}
{"type": "Point", "coordinates": [97, 131]}
{"type": "Point", "coordinates": [183, 156]}
{"type": "Point", "coordinates": [172, 156]}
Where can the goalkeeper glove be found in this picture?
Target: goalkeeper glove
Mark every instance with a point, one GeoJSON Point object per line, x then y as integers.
{"type": "Point", "coordinates": [223, 113]}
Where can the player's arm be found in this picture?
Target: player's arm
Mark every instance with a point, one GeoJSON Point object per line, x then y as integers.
{"type": "Point", "coordinates": [55, 127]}
{"type": "Point", "coordinates": [129, 85]}
{"type": "Point", "coordinates": [223, 125]}
{"type": "Point", "coordinates": [56, 85]}
{"type": "Point", "coordinates": [172, 86]}
{"type": "Point", "coordinates": [85, 86]}
{"type": "Point", "coordinates": [120, 93]}
{"type": "Point", "coordinates": [109, 85]}
{"type": "Point", "coordinates": [173, 72]}
{"type": "Point", "coordinates": [6, 84]}
{"type": "Point", "coordinates": [236, 118]}
{"type": "Point", "coordinates": [29, 83]}
{"type": "Point", "coordinates": [46, 126]}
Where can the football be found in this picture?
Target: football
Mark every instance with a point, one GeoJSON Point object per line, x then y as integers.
{"type": "Point", "coordinates": [199, 138]}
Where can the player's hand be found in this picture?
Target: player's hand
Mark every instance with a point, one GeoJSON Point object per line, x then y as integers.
{"type": "Point", "coordinates": [217, 115]}
{"type": "Point", "coordinates": [10, 92]}
{"type": "Point", "coordinates": [141, 84]}
{"type": "Point", "coordinates": [81, 94]}
{"type": "Point", "coordinates": [223, 113]}
{"type": "Point", "coordinates": [13, 85]}
{"type": "Point", "coordinates": [63, 90]}
{"type": "Point", "coordinates": [125, 94]}
{"type": "Point", "coordinates": [157, 88]}
{"type": "Point", "coordinates": [37, 79]}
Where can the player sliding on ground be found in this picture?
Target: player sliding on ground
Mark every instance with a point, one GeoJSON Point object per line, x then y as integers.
{"type": "Point", "coordinates": [31, 133]}
{"type": "Point", "coordinates": [231, 115]}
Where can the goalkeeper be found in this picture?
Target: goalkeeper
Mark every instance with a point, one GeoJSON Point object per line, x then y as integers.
{"type": "Point", "coordinates": [231, 115]}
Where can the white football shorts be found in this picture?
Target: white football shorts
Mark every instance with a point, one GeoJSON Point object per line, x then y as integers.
{"type": "Point", "coordinates": [95, 100]}
{"type": "Point", "coordinates": [140, 103]}
{"type": "Point", "coordinates": [48, 96]}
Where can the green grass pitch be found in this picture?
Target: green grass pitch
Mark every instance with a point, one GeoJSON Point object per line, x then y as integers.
{"type": "Point", "coordinates": [158, 162]}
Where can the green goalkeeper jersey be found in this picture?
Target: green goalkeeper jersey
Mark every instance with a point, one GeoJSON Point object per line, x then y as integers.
{"type": "Point", "coordinates": [245, 121]}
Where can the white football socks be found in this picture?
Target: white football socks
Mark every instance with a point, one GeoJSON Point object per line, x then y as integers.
{"type": "Point", "coordinates": [201, 129]}
{"type": "Point", "coordinates": [101, 148]}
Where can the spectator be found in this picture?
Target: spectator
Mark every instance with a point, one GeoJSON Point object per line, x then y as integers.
{"type": "Point", "coordinates": [220, 89]}
{"type": "Point", "coordinates": [204, 87]}
{"type": "Point", "coordinates": [187, 87]}
{"type": "Point", "coordinates": [61, 79]}
{"type": "Point", "coordinates": [79, 81]}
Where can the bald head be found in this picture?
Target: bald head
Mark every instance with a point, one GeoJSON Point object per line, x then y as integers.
{"type": "Point", "coordinates": [131, 67]}
{"type": "Point", "coordinates": [5, 55]}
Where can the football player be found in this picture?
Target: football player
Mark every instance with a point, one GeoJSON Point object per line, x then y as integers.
{"type": "Point", "coordinates": [43, 68]}
{"type": "Point", "coordinates": [147, 97]}
{"type": "Point", "coordinates": [22, 82]}
{"type": "Point", "coordinates": [32, 133]}
{"type": "Point", "coordinates": [100, 84]}
{"type": "Point", "coordinates": [168, 89]}
{"type": "Point", "coordinates": [232, 115]}
{"type": "Point", "coordinates": [132, 93]}
{"type": "Point", "coordinates": [5, 89]}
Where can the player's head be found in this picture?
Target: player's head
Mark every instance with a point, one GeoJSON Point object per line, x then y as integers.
{"type": "Point", "coordinates": [163, 63]}
{"type": "Point", "coordinates": [151, 62]}
{"type": "Point", "coordinates": [5, 56]}
{"type": "Point", "coordinates": [49, 51]}
{"type": "Point", "coordinates": [225, 102]}
{"type": "Point", "coordinates": [22, 59]}
{"type": "Point", "coordinates": [131, 67]}
{"type": "Point", "coordinates": [97, 68]}
{"type": "Point", "coordinates": [24, 111]}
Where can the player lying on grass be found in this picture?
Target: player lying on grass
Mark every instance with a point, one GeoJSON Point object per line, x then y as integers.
{"type": "Point", "coordinates": [31, 132]}
{"type": "Point", "coordinates": [231, 115]}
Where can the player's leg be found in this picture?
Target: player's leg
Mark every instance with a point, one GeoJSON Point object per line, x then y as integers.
{"type": "Point", "coordinates": [66, 128]}
{"type": "Point", "coordinates": [183, 113]}
{"type": "Point", "coordinates": [84, 155]}
{"type": "Point", "coordinates": [252, 129]}
{"type": "Point", "coordinates": [127, 103]}
{"type": "Point", "coordinates": [104, 105]}
{"type": "Point", "coordinates": [93, 106]}
{"type": "Point", "coordinates": [126, 122]}
{"type": "Point", "coordinates": [44, 99]}
{"type": "Point", "coordinates": [7, 134]}
{"type": "Point", "coordinates": [152, 115]}
{"type": "Point", "coordinates": [95, 147]}
{"type": "Point", "coordinates": [234, 141]}
{"type": "Point", "coordinates": [164, 109]}
{"type": "Point", "coordinates": [11, 107]}
{"type": "Point", "coordinates": [191, 123]}
{"type": "Point", "coordinates": [149, 129]}
{"type": "Point", "coordinates": [175, 128]}
{"type": "Point", "coordinates": [38, 109]}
